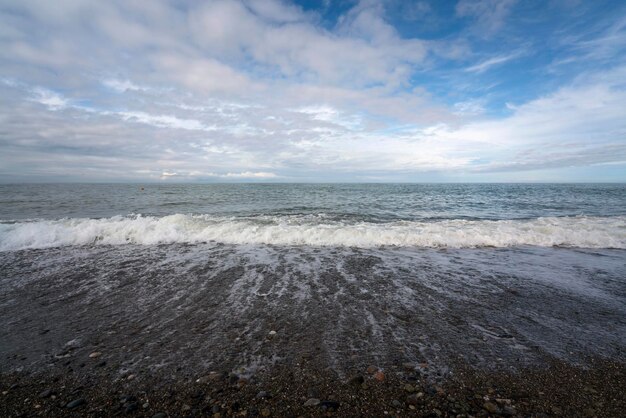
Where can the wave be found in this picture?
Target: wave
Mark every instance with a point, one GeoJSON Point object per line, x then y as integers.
{"type": "Point", "coordinates": [579, 231]}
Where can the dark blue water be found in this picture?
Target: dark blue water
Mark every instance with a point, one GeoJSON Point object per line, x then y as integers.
{"type": "Point", "coordinates": [367, 202]}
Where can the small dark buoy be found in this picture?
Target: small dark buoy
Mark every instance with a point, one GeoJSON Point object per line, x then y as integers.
{"type": "Point", "coordinates": [142, 188]}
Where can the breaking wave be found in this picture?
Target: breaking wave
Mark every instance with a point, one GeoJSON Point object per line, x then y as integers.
{"type": "Point", "coordinates": [579, 231]}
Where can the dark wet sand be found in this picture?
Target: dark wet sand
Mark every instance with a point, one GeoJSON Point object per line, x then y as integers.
{"type": "Point", "coordinates": [203, 329]}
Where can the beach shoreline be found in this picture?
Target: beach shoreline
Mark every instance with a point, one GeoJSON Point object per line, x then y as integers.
{"type": "Point", "coordinates": [119, 327]}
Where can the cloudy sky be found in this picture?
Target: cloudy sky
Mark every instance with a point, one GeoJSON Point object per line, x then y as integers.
{"type": "Point", "coordinates": [274, 90]}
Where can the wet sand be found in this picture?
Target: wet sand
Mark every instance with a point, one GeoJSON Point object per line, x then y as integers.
{"type": "Point", "coordinates": [206, 329]}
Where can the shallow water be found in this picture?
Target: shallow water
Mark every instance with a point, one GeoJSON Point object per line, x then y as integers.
{"type": "Point", "coordinates": [211, 306]}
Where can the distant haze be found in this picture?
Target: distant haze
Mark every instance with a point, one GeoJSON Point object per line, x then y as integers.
{"type": "Point", "coordinates": [312, 91]}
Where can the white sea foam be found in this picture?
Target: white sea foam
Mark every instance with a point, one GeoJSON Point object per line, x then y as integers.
{"type": "Point", "coordinates": [580, 231]}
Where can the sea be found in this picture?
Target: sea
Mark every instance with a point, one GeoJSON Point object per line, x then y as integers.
{"type": "Point", "coordinates": [171, 277]}
{"type": "Point", "coordinates": [343, 215]}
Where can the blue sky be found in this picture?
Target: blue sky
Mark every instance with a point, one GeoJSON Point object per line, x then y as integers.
{"type": "Point", "coordinates": [252, 90]}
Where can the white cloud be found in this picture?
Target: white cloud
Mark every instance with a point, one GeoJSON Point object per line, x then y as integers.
{"type": "Point", "coordinates": [490, 15]}
{"type": "Point", "coordinates": [122, 86]}
{"type": "Point", "coordinates": [492, 62]}
{"type": "Point", "coordinates": [165, 121]}
{"type": "Point", "coordinates": [249, 175]}
{"type": "Point", "coordinates": [52, 100]}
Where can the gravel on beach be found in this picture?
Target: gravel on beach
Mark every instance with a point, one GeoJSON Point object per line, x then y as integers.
{"type": "Point", "coordinates": [558, 389]}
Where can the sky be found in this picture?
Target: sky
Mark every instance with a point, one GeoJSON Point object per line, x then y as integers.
{"type": "Point", "coordinates": [313, 91]}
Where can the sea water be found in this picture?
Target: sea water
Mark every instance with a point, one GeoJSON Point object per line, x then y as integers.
{"type": "Point", "coordinates": [352, 215]}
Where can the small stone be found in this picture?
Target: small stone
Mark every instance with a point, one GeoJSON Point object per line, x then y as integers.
{"type": "Point", "coordinates": [46, 393]}
{"type": "Point", "coordinates": [130, 377]}
{"type": "Point", "coordinates": [509, 411]}
{"type": "Point", "coordinates": [312, 402]}
{"type": "Point", "coordinates": [396, 403]}
{"type": "Point", "coordinates": [101, 364]}
{"type": "Point", "coordinates": [265, 412]}
{"type": "Point", "coordinates": [330, 405]}
{"type": "Point", "coordinates": [95, 354]}
{"type": "Point", "coordinates": [186, 408]}
{"type": "Point", "coordinates": [271, 334]}
{"type": "Point", "coordinates": [412, 400]}
{"type": "Point", "coordinates": [380, 376]}
{"type": "Point", "coordinates": [128, 398]}
{"type": "Point", "coordinates": [145, 405]}
{"type": "Point", "coordinates": [131, 407]}
{"type": "Point", "coordinates": [76, 403]}
{"type": "Point", "coordinates": [160, 415]}
{"type": "Point", "coordinates": [5, 392]}
{"type": "Point", "coordinates": [409, 388]}
{"type": "Point", "coordinates": [490, 407]}
{"type": "Point", "coordinates": [408, 366]}
{"type": "Point", "coordinates": [263, 395]}
{"type": "Point", "coordinates": [372, 369]}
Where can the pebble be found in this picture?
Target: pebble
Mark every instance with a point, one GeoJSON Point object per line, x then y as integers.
{"type": "Point", "coordinates": [412, 400]}
{"type": "Point", "coordinates": [408, 366]}
{"type": "Point", "coordinates": [265, 412]}
{"type": "Point", "coordinates": [490, 407]}
{"type": "Point", "coordinates": [131, 407]}
{"type": "Point", "coordinates": [312, 402]}
{"type": "Point", "coordinates": [330, 405]}
{"type": "Point", "coordinates": [46, 393]}
{"type": "Point", "coordinates": [380, 376]}
{"type": "Point", "coordinates": [95, 354]}
{"type": "Point", "coordinates": [160, 415]}
{"type": "Point", "coordinates": [396, 403]}
{"type": "Point", "coordinates": [76, 403]}
{"type": "Point", "coordinates": [263, 395]}
{"type": "Point", "coordinates": [409, 388]}
{"type": "Point", "coordinates": [510, 411]}
{"type": "Point", "coordinates": [372, 369]}
{"type": "Point", "coordinates": [186, 408]}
